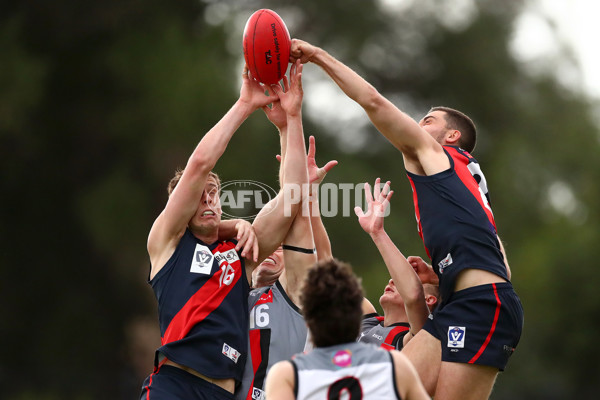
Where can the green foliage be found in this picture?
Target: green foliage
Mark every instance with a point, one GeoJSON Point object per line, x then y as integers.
{"type": "Point", "coordinates": [102, 101]}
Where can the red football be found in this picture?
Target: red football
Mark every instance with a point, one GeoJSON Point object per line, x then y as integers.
{"type": "Point", "coordinates": [266, 46]}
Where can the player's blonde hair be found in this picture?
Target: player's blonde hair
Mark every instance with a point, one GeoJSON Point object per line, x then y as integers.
{"type": "Point", "coordinates": [178, 173]}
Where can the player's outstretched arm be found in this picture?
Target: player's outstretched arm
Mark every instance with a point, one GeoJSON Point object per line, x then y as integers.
{"type": "Point", "coordinates": [316, 175]}
{"type": "Point", "coordinates": [406, 280]}
{"type": "Point", "coordinates": [183, 201]}
{"type": "Point", "coordinates": [399, 128]}
{"type": "Point", "coordinates": [274, 220]}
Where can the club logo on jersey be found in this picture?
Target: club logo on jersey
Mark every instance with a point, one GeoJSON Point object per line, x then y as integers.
{"type": "Point", "coordinates": [445, 263]}
{"type": "Point", "coordinates": [230, 256]}
{"type": "Point", "coordinates": [258, 394]}
{"type": "Point", "coordinates": [456, 337]}
{"type": "Point", "coordinates": [231, 353]}
{"type": "Point", "coordinates": [342, 359]}
{"type": "Point", "coordinates": [202, 260]}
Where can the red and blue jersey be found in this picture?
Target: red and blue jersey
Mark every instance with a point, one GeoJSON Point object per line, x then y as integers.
{"type": "Point", "coordinates": [202, 294]}
{"type": "Point", "coordinates": [455, 220]}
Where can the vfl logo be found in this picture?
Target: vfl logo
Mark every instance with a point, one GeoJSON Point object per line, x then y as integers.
{"type": "Point", "coordinates": [202, 260]}
{"type": "Point", "coordinates": [456, 336]}
{"type": "Point", "coordinates": [445, 263]}
{"type": "Point", "coordinates": [231, 353]}
{"type": "Point", "coordinates": [258, 394]}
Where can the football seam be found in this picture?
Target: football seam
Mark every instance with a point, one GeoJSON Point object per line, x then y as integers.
{"type": "Point", "coordinates": [254, 44]}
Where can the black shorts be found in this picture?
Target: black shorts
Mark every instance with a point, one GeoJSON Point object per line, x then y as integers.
{"type": "Point", "coordinates": [479, 325]}
{"type": "Point", "coordinates": [172, 383]}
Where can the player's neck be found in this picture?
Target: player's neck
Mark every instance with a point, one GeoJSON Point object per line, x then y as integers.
{"type": "Point", "coordinates": [208, 236]}
{"type": "Point", "coordinates": [394, 315]}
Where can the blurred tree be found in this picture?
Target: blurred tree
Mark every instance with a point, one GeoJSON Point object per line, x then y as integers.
{"type": "Point", "coordinates": [102, 101]}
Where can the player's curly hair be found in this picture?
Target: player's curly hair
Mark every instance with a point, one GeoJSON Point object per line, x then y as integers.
{"type": "Point", "coordinates": [331, 298]}
{"type": "Point", "coordinates": [175, 180]}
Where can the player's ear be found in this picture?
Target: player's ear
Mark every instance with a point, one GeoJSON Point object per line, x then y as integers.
{"type": "Point", "coordinates": [430, 300]}
{"type": "Point", "coordinates": [453, 136]}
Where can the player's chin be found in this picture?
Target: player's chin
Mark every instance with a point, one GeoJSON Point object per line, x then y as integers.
{"type": "Point", "coordinates": [389, 298]}
{"type": "Point", "coordinates": [208, 224]}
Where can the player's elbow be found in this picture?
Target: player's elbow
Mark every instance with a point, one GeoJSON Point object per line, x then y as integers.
{"type": "Point", "coordinates": [200, 163]}
{"type": "Point", "coordinates": [371, 100]}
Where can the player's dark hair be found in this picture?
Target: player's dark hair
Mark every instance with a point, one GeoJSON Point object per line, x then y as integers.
{"type": "Point", "coordinates": [331, 298]}
{"type": "Point", "coordinates": [175, 180]}
{"type": "Point", "coordinates": [461, 122]}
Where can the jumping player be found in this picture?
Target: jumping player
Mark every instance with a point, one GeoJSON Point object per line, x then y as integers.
{"type": "Point", "coordinates": [331, 298]}
{"type": "Point", "coordinates": [478, 324]}
{"type": "Point", "coordinates": [201, 283]}
{"type": "Point", "coordinates": [407, 304]}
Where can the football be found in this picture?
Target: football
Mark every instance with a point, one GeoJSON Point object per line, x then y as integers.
{"type": "Point", "coordinates": [266, 46]}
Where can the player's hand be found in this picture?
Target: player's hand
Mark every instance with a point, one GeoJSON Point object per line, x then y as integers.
{"type": "Point", "coordinates": [291, 95]}
{"type": "Point", "coordinates": [246, 240]}
{"type": "Point", "coordinates": [276, 114]}
{"type": "Point", "coordinates": [377, 203]}
{"type": "Point", "coordinates": [316, 174]}
{"type": "Point", "coordinates": [254, 93]}
{"type": "Point", "coordinates": [301, 50]}
{"type": "Point", "coordinates": [424, 271]}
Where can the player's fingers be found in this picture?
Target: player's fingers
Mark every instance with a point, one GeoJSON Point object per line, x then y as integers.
{"type": "Point", "coordinates": [311, 147]}
{"type": "Point", "coordinates": [278, 157]}
{"type": "Point", "coordinates": [359, 212]}
{"type": "Point", "coordinates": [276, 89]}
{"type": "Point", "coordinates": [241, 237]}
{"type": "Point", "coordinates": [386, 201]}
{"type": "Point", "coordinates": [255, 249]}
{"type": "Point", "coordinates": [286, 84]}
{"type": "Point", "coordinates": [386, 189]}
{"type": "Point", "coordinates": [327, 167]}
{"type": "Point", "coordinates": [377, 189]}
{"type": "Point", "coordinates": [368, 195]}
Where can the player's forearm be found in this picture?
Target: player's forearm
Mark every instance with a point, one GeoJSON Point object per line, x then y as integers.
{"type": "Point", "coordinates": [405, 279]}
{"type": "Point", "coordinates": [215, 141]}
{"type": "Point", "coordinates": [283, 146]}
{"type": "Point", "coordinates": [351, 83]}
{"type": "Point", "coordinates": [273, 222]}
{"type": "Point", "coordinates": [398, 127]}
{"type": "Point", "coordinates": [322, 242]}
{"type": "Point", "coordinates": [294, 163]}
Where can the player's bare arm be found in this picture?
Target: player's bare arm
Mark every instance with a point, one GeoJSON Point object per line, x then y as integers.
{"type": "Point", "coordinates": [298, 243]}
{"type": "Point", "coordinates": [405, 279]}
{"type": "Point", "coordinates": [422, 153]}
{"type": "Point", "coordinates": [316, 175]}
{"type": "Point", "coordinates": [274, 221]}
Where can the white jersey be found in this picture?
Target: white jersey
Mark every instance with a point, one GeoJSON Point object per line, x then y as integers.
{"type": "Point", "coordinates": [347, 371]}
